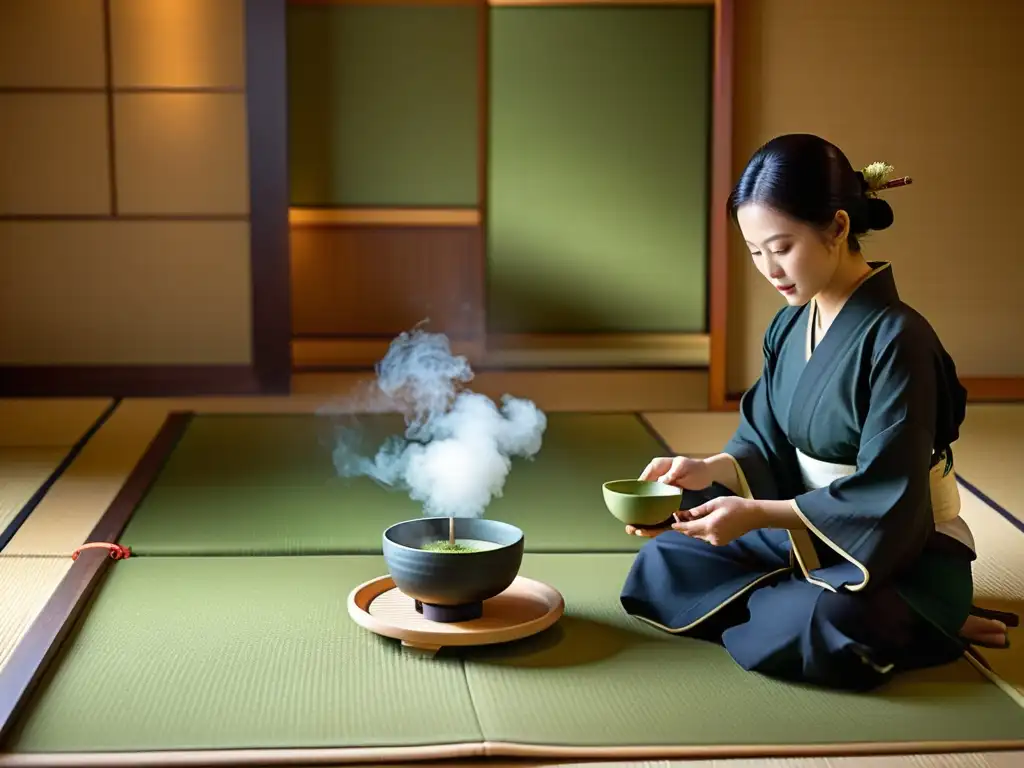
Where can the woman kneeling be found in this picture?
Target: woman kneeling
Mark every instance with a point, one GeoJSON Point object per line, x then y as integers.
{"type": "Point", "coordinates": [830, 548]}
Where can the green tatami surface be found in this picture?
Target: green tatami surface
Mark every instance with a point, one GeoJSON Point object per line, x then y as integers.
{"type": "Point", "coordinates": [222, 652]}
{"type": "Point", "coordinates": [603, 679]}
{"type": "Point", "coordinates": [258, 652]}
{"type": "Point", "coordinates": [266, 484]}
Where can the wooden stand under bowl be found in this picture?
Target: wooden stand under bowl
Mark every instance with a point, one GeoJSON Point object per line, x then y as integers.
{"type": "Point", "coordinates": [526, 608]}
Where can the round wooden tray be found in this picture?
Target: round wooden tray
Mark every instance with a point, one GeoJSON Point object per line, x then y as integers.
{"type": "Point", "coordinates": [525, 608]}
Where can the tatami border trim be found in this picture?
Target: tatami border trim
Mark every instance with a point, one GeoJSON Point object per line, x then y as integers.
{"type": "Point", "coordinates": [19, 519]}
{"type": "Point", "coordinates": [41, 644]}
{"type": "Point", "coordinates": [992, 503]}
{"type": "Point", "coordinates": [492, 749]}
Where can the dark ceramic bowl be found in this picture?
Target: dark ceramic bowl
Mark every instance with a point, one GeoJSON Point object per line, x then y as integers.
{"type": "Point", "coordinates": [451, 586]}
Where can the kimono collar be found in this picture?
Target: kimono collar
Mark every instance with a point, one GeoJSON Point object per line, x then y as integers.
{"type": "Point", "coordinates": [872, 296]}
{"type": "Point", "coordinates": [876, 289]}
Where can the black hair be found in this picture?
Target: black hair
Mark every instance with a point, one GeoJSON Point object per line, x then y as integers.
{"type": "Point", "coordinates": [810, 179]}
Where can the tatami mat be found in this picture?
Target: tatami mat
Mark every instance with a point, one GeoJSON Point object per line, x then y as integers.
{"type": "Point", "coordinates": [36, 436]}
{"type": "Point", "coordinates": [991, 439]}
{"type": "Point", "coordinates": [694, 434]}
{"type": "Point", "coordinates": [23, 471]}
{"type": "Point", "coordinates": [26, 583]}
{"type": "Point", "coordinates": [573, 690]}
{"type": "Point", "coordinates": [75, 503]}
{"type": "Point", "coordinates": [246, 652]}
{"type": "Point", "coordinates": [999, 580]}
{"type": "Point", "coordinates": [231, 475]}
{"type": "Point", "coordinates": [47, 422]}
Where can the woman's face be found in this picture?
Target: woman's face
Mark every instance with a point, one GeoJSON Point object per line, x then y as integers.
{"type": "Point", "coordinates": [797, 259]}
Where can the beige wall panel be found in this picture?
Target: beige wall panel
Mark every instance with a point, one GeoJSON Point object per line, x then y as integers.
{"type": "Point", "coordinates": [52, 44]}
{"type": "Point", "coordinates": [178, 43]}
{"type": "Point", "coordinates": [119, 293]}
{"type": "Point", "coordinates": [935, 99]}
{"type": "Point", "coordinates": [181, 153]}
{"type": "Point", "coordinates": [53, 154]}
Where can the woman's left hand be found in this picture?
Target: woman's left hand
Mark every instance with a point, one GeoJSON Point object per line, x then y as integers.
{"type": "Point", "coordinates": [720, 520]}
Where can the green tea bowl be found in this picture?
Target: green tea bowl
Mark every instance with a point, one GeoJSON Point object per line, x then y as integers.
{"type": "Point", "coordinates": [641, 503]}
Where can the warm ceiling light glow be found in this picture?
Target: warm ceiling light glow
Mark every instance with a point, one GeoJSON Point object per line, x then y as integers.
{"type": "Point", "coordinates": [175, 43]}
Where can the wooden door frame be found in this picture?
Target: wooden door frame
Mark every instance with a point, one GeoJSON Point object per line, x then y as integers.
{"type": "Point", "coordinates": [269, 370]}
{"type": "Point", "coordinates": [719, 398]}
{"type": "Point", "coordinates": [270, 367]}
{"type": "Point", "coordinates": [269, 196]}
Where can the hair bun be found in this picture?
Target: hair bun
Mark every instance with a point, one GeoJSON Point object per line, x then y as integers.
{"type": "Point", "coordinates": [879, 214]}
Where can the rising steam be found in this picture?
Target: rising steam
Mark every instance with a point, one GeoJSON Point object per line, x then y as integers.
{"type": "Point", "coordinates": [458, 445]}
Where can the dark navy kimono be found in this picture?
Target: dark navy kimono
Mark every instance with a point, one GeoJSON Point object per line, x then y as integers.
{"type": "Point", "coordinates": [855, 430]}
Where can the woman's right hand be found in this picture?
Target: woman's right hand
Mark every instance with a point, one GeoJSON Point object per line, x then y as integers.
{"type": "Point", "coordinates": [689, 474]}
{"type": "Point", "coordinates": [680, 471]}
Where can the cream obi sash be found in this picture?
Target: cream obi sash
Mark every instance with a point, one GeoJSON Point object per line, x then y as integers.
{"type": "Point", "coordinates": [944, 491]}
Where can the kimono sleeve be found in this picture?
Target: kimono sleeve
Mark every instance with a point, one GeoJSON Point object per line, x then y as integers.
{"type": "Point", "coordinates": [879, 517]}
{"type": "Point", "coordinates": [761, 452]}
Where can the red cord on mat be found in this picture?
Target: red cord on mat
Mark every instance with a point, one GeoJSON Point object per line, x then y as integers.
{"type": "Point", "coordinates": [117, 552]}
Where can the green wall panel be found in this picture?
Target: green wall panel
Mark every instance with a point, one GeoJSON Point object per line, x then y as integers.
{"type": "Point", "coordinates": [599, 165]}
{"type": "Point", "coordinates": [383, 105]}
